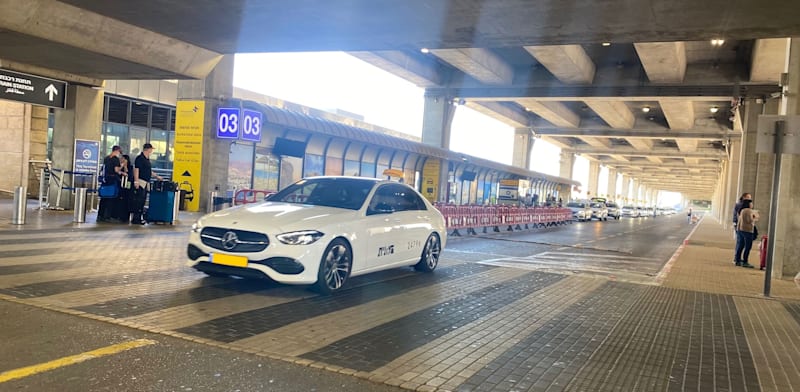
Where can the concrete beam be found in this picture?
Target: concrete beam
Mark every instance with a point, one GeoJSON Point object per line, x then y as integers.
{"type": "Point", "coordinates": [555, 112]}
{"type": "Point", "coordinates": [558, 142]}
{"type": "Point", "coordinates": [597, 142]}
{"type": "Point", "coordinates": [664, 62]}
{"type": "Point", "coordinates": [639, 165]}
{"type": "Point", "coordinates": [691, 161]}
{"type": "Point", "coordinates": [769, 59]}
{"type": "Point", "coordinates": [687, 144]}
{"type": "Point", "coordinates": [51, 73]}
{"type": "Point", "coordinates": [479, 63]}
{"type": "Point", "coordinates": [615, 113]}
{"type": "Point", "coordinates": [65, 24]}
{"type": "Point", "coordinates": [619, 158]}
{"type": "Point", "coordinates": [704, 153]}
{"type": "Point", "coordinates": [679, 114]}
{"type": "Point", "coordinates": [568, 63]}
{"type": "Point", "coordinates": [641, 144]}
{"type": "Point", "coordinates": [655, 159]}
{"type": "Point", "coordinates": [699, 134]}
{"type": "Point", "coordinates": [403, 65]}
{"type": "Point", "coordinates": [516, 118]}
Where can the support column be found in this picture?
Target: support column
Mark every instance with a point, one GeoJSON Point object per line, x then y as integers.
{"type": "Point", "coordinates": [82, 119]}
{"type": "Point", "coordinates": [567, 165]}
{"type": "Point", "coordinates": [523, 144]}
{"type": "Point", "coordinates": [612, 184]}
{"type": "Point", "coordinates": [787, 224]}
{"type": "Point", "coordinates": [594, 177]}
{"type": "Point", "coordinates": [732, 180]}
{"type": "Point", "coordinates": [634, 192]}
{"type": "Point", "coordinates": [626, 185]}
{"type": "Point", "coordinates": [213, 153]}
{"type": "Point", "coordinates": [437, 120]}
{"type": "Point", "coordinates": [762, 191]}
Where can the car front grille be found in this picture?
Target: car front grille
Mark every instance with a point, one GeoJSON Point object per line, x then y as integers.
{"type": "Point", "coordinates": [232, 240]}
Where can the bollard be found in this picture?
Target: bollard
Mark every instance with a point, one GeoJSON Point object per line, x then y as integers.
{"type": "Point", "coordinates": [211, 198]}
{"type": "Point", "coordinates": [79, 215]}
{"type": "Point", "coordinates": [176, 205]}
{"type": "Point", "coordinates": [20, 206]}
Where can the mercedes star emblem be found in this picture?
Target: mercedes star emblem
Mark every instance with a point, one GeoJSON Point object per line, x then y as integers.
{"type": "Point", "coordinates": [229, 240]}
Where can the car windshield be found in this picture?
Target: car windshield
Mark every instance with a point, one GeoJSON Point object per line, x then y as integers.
{"type": "Point", "coordinates": [577, 205]}
{"type": "Point", "coordinates": [598, 205]}
{"type": "Point", "coordinates": [628, 207]}
{"type": "Point", "coordinates": [349, 193]}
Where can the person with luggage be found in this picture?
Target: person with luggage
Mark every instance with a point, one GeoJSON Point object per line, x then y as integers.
{"type": "Point", "coordinates": [142, 174]}
{"type": "Point", "coordinates": [745, 229]}
{"type": "Point", "coordinates": [124, 205]}
{"type": "Point", "coordinates": [112, 174]}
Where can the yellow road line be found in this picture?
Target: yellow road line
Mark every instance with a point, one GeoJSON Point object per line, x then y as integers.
{"type": "Point", "coordinates": [73, 359]}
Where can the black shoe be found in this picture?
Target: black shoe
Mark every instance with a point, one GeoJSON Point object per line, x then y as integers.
{"type": "Point", "coordinates": [747, 265]}
{"type": "Point", "coordinates": [738, 264]}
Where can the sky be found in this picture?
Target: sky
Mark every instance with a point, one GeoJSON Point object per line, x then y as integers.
{"type": "Point", "coordinates": [335, 80]}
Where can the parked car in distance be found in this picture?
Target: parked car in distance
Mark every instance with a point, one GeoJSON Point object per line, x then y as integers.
{"type": "Point", "coordinates": [321, 231]}
{"type": "Point", "coordinates": [580, 210]}
{"type": "Point", "coordinates": [599, 211]}
{"type": "Point", "coordinates": [631, 211]}
{"type": "Point", "coordinates": [613, 210]}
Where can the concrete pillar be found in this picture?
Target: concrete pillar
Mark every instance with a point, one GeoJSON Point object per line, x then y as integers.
{"type": "Point", "coordinates": [731, 179]}
{"type": "Point", "coordinates": [786, 261]}
{"type": "Point", "coordinates": [212, 91]}
{"type": "Point", "coordinates": [437, 119]}
{"type": "Point", "coordinates": [594, 177]}
{"type": "Point", "coordinates": [567, 165]}
{"type": "Point", "coordinates": [523, 144]}
{"type": "Point", "coordinates": [626, 186]}
{"type": "Point", "coordinates": [634, 192]}
{"type": "Point", "coordinates": [762, 191]}
{"type": "Point", "coordinates": [612, 184]}
{"type": "Point", "coordinates": [748, 167]}
{"type": "Point", "coordinates": [82, 119]}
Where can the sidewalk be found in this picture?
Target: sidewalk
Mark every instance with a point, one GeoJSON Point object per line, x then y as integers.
{"type": "Point", "coordinates": [706, 264]}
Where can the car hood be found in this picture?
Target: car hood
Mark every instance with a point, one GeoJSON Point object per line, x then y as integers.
{"type": "Point", "coordinates": [279, 217]}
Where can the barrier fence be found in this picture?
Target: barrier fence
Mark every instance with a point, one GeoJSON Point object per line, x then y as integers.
{"type": "Point", "coordinates": [497, 218]}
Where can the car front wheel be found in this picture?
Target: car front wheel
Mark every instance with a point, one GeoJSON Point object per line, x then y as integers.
{"type": "Point", "coordinates": [430, 254]}
{"type": "Point", "coordinates": [334, 268]}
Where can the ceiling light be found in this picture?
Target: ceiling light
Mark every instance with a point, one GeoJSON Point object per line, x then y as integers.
{"type": "Point", "coordinates": [717, 42]}
{"type": "Point", "coordinates": [606, 44]}
{"type": "Point", "coordinates": [646, 109]}
{"type": "Point", "coordinates": [714, 109]}
{"type": "Point", "coordinates": [425, 50]}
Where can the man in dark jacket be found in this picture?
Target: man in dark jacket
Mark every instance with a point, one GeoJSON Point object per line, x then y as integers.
{"type": "Point", "coordinates": [112, 173]}
{"type": "Point", "coordinates": [142, 174]}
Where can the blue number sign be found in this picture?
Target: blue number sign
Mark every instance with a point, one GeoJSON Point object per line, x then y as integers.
{"type": "Point", "coordinates": [251, 125]}
{"type": "Point", "coordinates": [228, 123]}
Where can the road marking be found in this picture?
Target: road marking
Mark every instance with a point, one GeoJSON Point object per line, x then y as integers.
{"type": "Point", "coordinates": [73, 359]}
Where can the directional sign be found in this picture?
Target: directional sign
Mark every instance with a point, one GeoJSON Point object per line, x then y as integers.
{"type": "Point", "coordinates": [16, 86]}
{"type": "Point", "coordinates": [251, 125]}
{"type": "Point", "coordinates": [228, 123]}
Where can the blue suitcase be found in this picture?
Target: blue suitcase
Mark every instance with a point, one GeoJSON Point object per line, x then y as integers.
{"type": "Point", "coordinates": [161, 206]}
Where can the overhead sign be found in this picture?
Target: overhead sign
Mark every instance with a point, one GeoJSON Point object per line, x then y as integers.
{"type": "Point", "coordinates": [228, 123]}
{"type": "Point", "coordinates": [188, 149]}
{"type": "Point", "coordinates": [16, 86]}
{"type": "Point", "coordinates": [251, 125]}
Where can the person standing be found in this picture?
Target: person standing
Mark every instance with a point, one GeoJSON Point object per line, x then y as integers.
{"type": "Point", "coordinates": [736, 209]}
{"type": "Point", "coordinates": [690, 215]}
{"type": "Point", "coordinates": [112, 173]}
{"type": "Point", "coordinates": [745, 231]}
{"type": "Point", "coordinates": [142, 174]}
{"type": "Point", "coordinates": [124, 204]}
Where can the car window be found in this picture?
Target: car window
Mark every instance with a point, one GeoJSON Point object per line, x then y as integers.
{"type": "Point", "coordinates": [395, 197]}
{"type": "Point", "coordinates": [598, 205]}
{"type": "Point", "coordinates": [330, 192]}
{"type": "Point", "coordinates": [576, 205]}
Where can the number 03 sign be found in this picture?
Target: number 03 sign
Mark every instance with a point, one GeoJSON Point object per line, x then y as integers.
{"type": "Point", "coordinates": [231, 120]}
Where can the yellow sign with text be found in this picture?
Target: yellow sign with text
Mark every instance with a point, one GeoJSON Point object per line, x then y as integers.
{"type": "Point", "coordinates": [430, 179]}
{"type": "Point", "coordinates": [188, 149]}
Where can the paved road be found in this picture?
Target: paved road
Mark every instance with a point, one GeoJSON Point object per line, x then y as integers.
{"type": "Point", "coordinates": [396, 327]}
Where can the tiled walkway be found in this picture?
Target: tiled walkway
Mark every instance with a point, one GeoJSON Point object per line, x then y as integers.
{"type": "Point", "coordinates": [466, 327]}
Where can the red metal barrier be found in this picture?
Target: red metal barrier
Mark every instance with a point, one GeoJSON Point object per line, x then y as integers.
{"type": "Point", "coordinates": [763, 252]}
{"type": "Point", "coordinates": [246, 196]}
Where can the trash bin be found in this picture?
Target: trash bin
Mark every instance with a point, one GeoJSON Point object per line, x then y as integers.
{"type": "Point", "coordinates": [79, 215]}
{"type": "Point", "coordinates": [20, 206]}
{"type": "Point", "coordinates": [763, 252]}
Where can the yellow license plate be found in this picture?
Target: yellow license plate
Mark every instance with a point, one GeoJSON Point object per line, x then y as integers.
{"type": "Point", "coordinates": [234, 261]}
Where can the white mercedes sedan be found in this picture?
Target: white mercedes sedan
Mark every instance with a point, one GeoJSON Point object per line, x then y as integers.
{"type": "Point", "coordinates": [321, 231]}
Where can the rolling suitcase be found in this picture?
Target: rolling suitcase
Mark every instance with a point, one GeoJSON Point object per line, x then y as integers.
{"type": "Point", "coordinates": [161, 206]}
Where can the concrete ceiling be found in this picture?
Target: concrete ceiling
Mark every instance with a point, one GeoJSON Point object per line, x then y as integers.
{"type": "Point", "coordinates": [530, 64]}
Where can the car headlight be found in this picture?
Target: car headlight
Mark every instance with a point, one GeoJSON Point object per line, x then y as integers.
{"type": "Point", "coordinates": [304, 237]}
{"type": "Point", "coordinates": [197, 226]}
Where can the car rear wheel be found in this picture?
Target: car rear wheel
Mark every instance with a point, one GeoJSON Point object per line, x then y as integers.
{"type": "Point", "coordinates": [334, 268]}
{"type": "Point", "coordinates": [430, 254]}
